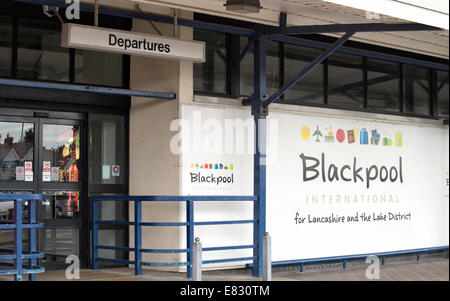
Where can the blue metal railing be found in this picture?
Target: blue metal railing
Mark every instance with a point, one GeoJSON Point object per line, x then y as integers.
{"type": "Point", "coordinates": [345, 258]}
{"type": "Point", "coordinates": [189, 224]}
{"type": "Point", "coordinates": [19, 268]}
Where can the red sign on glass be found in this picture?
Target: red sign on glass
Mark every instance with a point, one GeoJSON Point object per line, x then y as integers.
{"type": "Point", "coordinates": [46, 166]}
{"type": "Point", "coordinates": [28, 166]}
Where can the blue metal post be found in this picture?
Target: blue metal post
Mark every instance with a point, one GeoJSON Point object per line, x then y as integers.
{"type": "Point", "coordinates": [94, 234]}
{"type": "Point", "coordinates": [189, 235]}
{"type": "Point", "coordinates": [18, 239]}
{"type": "Point", "coordinates": [259, 162]}
{"type": "Point", "coordinates": [32, 237]}
{"type": "Point", "coordinates": [137, 238]}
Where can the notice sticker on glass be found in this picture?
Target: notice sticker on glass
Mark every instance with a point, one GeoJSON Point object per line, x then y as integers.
{"type": "Point", "coordinates": [55, 174]}
{"type": "Point", "coordinates": [46, 166]}
{"type": "Point", "coordinates": [28, 166]}
{"type": "Point", "coordinates": [46, 176]}
{"type": "Point", "coordinates": [20, 173]}
{"type": "Point", "coordinates": [28, 176]}
{"type": "Point", "coordinates": [106, 172]}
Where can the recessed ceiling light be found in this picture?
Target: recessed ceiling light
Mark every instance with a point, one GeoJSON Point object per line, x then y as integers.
{"type": "Point", "coordinates": [243, 6]}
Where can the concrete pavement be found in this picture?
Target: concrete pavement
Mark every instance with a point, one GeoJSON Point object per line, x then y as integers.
{"type": "Point", "coordinates": [435, 269]}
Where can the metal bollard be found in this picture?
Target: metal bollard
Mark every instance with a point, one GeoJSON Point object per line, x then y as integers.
{"type": "Point", "coordinates": [267, 258]}
{"type": "Point", "coordinates": [197, 260]}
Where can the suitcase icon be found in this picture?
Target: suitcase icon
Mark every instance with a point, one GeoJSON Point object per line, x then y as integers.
{"type": "Point", "coordinates": [364, 137]}
{"type": "Point", "coordinates": [351, 136]}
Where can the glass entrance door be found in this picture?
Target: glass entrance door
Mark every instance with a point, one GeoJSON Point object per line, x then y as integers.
{"type": "Point", "coordinates": [43, 155]}
{"type": "Point", "coordinates": [60, 180]}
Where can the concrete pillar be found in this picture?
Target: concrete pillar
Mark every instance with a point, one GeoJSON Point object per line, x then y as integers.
{"type": "Point", "coordinates": [154, 169]}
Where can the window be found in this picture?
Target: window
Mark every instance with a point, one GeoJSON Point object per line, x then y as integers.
{"type": "Point", "coordinates": [345, 81]}
{"type": "Point", "coordinates": [383, 86]}
{"type": "Point", "coordinates": [31, 49]}
{"type": "Point", "coordinates": [6, 30]}
{"type": "Point", "coordinates": [272, 69]}
{"type": "Point", "coordinates": [211, 76]}
{"type": "Point", "coordinates": [98, 68]}
{"type": "Point", "coordinates": [40, 55]}
{"type": "Point", "coordinates": [310, 88]}
{"type": "Point", "coordinates": [107, 149]}
{"type": "Point", "coordinates": [416, 90]}
{"type": "Point", "coordinates": [442, 84]}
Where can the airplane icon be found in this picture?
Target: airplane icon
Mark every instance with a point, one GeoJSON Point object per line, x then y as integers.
{"type": "Point", "coordinates": [317, 133]}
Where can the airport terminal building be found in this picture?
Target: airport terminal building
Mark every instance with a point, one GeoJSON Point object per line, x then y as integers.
{"type": "Point", "coordinates": [334, 116]}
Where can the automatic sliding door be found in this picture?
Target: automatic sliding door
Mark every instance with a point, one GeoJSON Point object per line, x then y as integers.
{"type": "Point", "coordinates": [60, 181]}
{"type": "Point", "coordinates": [17, 153]}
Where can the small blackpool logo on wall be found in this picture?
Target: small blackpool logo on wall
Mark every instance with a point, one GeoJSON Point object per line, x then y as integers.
{"type": "Point", "coordinates": [361, 136]}
{"type": "Point", "coordinates": [212, 176]}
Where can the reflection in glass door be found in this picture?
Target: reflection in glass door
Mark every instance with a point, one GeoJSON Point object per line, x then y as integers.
{"type": "Point", "coordinates": [16, 150]}
{"type": "Point", "coordinates": [60, 181]}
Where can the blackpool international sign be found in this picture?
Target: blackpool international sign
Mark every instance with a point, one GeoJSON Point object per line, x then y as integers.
{"type": "Point", "coordinates": [131, 43]}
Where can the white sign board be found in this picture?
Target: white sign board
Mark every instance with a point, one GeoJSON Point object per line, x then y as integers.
{"type": "Point", "coordinates": [131, 43]}
{"type": "Point", "coordinates": [335, 186]}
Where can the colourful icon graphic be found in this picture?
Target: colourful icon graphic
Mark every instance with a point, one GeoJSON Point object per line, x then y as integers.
{"type": "Point", "coordinates": [212, 166]}
{"type": "Point", "coordinates": [387, 141]}
{"type": "Point", "coordinates": [351, 136]}
{"type": "Point", "coordinates": [305, 132]}
{"type": "Point", "coordinates": [340, 135]}
{"type": "Point", "coordinates": [375, 139]}
{"type": "Point", "coordinates": [364, 137]}
{"type": "Point", "coordinates": [330, 136]}
{"type": "Point", "coordinates": [317, 134]}
{"type": "Point", "coordinates": [355, 134]}
{"type": "Point", "coordinates": [398, 139]}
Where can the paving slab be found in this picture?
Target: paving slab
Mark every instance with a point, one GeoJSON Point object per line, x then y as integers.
{"type": "Point", "coordinates": [436, 269]}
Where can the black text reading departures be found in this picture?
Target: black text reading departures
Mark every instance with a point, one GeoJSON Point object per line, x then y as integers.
{"type": "Point", "coordinates": [138, 44]}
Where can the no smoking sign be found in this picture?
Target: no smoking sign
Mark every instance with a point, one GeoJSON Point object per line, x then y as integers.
{"type": "Point", "coordinates": [115, 170]}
